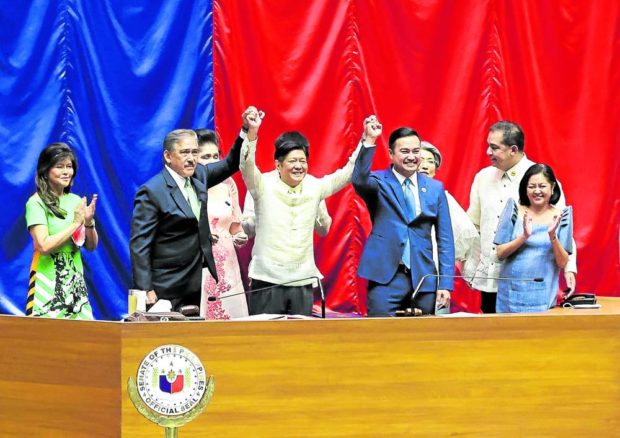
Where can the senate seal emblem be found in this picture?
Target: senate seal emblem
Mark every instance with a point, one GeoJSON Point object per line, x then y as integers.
{"type": "Point", "coordinates": [171, 387]}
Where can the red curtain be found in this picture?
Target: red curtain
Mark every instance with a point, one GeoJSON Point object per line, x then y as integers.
{"type": "Point", "coordinates": [449, 70]}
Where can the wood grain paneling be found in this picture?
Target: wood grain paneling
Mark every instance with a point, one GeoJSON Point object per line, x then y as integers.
{"type": "Point", "coordinates": [483, 376]}
{"type": "Point", "coordinates": [59, 377]}
{"type": "Point", "coordinates": [555, 374]}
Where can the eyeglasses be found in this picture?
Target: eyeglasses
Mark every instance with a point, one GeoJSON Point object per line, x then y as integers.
{"type": "Point", "coordinates": [429, 161]}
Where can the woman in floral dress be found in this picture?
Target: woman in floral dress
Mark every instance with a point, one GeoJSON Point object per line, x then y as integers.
{"type": "Point", "coordinates": [225, 222]}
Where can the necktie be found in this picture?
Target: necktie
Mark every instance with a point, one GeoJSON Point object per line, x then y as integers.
{"type": "Point", "coordinates": [192, 199]}
{"type": "Point", "coordinates": [409, 199]}
{"type": "Point", "coordinates": [410, 202]}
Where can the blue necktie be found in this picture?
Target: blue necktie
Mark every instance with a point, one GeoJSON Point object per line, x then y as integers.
{"type": "Point", "coordinates": [410, 202]}
{"type": "Point", "coordinates": [409, 198]}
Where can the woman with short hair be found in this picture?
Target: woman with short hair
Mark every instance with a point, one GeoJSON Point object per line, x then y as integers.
{"type": "Point", "coordinates": [466, 237]}
{"type": "Point", "coordinates": [534, 238]}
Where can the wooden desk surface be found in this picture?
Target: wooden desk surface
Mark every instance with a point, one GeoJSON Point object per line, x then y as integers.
{"type": "Point", "coordinates": [553, 374]}
{"type": "Point", "coordinates": [508, 375]}
{"type": "Point", "coordinates": [609, 306]}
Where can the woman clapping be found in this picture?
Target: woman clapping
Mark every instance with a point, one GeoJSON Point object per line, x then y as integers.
{"type": "Point", "coordinates": [535, 239]}
{"type": "Point", "coordinates": [60, 223]}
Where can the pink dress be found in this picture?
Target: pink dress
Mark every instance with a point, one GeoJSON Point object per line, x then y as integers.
{"type": "Point", "coordinates": [223, 209]}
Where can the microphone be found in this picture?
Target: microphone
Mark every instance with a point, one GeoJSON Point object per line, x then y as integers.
{"type": "Point", "coordinates": [212, 298]}
{"type": "Point", "coordinates": [417, 312]}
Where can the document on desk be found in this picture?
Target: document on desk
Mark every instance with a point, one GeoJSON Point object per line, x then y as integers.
{"type": "Point", "coordinates": [261, 317]}
{"type": "Point", "coordinates": [161, 306]}
{"type": "Point", "coordinates": [459, 315]}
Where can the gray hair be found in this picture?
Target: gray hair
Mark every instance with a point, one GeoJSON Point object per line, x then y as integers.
{"type": "Point", "coordinates": [173, 138]}
{"type": "Point", "coordinates": [433, 150]}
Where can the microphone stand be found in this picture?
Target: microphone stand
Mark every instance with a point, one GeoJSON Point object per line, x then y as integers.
{"type": "Point", "coordinates": [212, 298]}
{"type": "Point", "coordinates": [417, 312]}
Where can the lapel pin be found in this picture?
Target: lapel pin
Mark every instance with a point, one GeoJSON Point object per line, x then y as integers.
{"type": "Point", "coordinates": [423, 189]}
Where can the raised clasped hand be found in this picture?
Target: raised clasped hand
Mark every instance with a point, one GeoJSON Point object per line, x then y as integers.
{"type": "Point", "coordinates": [372, 129]}
{"type": "Point", "coordinates": [252, 118]}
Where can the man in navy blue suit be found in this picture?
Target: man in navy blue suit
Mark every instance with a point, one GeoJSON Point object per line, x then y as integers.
{"type": "Point", "coordinates": [404, 206]}
{"type": "Point", "coordinates": [170, 237]}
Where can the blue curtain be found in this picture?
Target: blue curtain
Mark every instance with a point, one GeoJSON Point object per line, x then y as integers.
{"type": "Point", "coordinates": [110, 78]}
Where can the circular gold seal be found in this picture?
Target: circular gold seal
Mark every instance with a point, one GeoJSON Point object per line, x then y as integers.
{"type": "Point", "coordinates": [171, 380]}
{"type": "Point", "coordinates": [171, 387]}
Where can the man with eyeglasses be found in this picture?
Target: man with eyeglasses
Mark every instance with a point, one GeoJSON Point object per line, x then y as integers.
{"type": "Point", "coordinates": [170, 239]}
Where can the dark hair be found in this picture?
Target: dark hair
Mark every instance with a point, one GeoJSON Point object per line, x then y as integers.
{"type": "Point", "coordinates": [512, 134]}
{"type": "Point", "coordinates": [206, 136]}
{"type": "Point", "coordinates": [547, 172]}
{"type": "Point", "coordinates": [290, 141]}
{"type": "Point", "coordinates": [400, 133]}
{"type": "Point", "coordinates": [48, 158]}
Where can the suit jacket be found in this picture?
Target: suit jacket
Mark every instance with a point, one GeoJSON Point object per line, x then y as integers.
{"type": "Point", "coordinates": [383, 194]}
{"type": "Point", "coordinates": [168, 246]}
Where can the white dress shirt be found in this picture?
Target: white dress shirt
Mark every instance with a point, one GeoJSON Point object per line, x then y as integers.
{"type": "Point", "coordinates": [180, 180]}
{"type": "Point", "coordinates": [414, 188]}
{"type": "Point", "coordinates": [284, 246]}
{"type": "Point", "coordinates": [490, 191]}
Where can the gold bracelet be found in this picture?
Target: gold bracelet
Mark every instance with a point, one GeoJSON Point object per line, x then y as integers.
{"type": "Point", "coordinates": [92, 225]}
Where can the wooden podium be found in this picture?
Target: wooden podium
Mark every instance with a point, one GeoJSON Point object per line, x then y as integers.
{"type": "Point", "coordinates": [554, 374]}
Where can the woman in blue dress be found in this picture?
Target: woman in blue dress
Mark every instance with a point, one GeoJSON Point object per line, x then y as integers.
{"type": "Point", "coordinates": [534, 240]}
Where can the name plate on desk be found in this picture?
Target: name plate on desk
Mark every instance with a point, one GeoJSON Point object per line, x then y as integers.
{"type": "Point", "coordinates": [171, 387]}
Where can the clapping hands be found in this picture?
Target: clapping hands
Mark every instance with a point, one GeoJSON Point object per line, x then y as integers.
{"type": "Point", "coordinates": [553, 227]}
{"type": "Point", "coordinates": [527, 224]}
{"type": "Point", "coordinates": [90, 210]}
{"type": "Point", "coordinates": [84, 214]}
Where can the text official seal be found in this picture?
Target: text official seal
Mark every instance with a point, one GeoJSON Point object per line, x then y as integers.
{"type": "Point", "coordinates": [171, 387]}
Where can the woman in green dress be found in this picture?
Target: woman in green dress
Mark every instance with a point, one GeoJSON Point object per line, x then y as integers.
{"type": "Point", "coordinates": [60, 223]}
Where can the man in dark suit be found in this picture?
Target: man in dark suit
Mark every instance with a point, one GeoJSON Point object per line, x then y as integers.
{"type": "Point", "coordinates": [404, 206]}
{"type": "Point", "coordinates": [170, 237]}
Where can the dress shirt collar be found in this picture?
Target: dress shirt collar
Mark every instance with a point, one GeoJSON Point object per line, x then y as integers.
{"type": "Point", "coordinates": [177, 178]}
{"type": "Point", "coordinates": [518, 170]}
{"type": "Point", "coordinates": [290, 190]}
{"type": "Point", "coordinates": [401, 179]}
